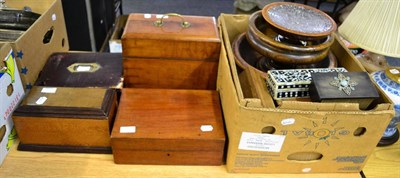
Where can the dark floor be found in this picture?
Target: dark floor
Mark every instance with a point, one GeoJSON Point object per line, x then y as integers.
{"type": "Point", "coordinates": [184, 7]}
{"type": "Point", "coordinates": [197, 7]}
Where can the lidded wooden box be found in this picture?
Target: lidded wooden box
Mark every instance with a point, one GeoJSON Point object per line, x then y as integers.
{"type": "Point", "coordinates": [164, 51]}
{"type": "Point", "coordinates": [349, 87]}
{"type": "Point", "coordinates": [82, 69]}
{"type": "Point", "coordinates": [66, 119]}
{"type": "Point", "coordinates": [166, 126]}
{"type": "Point", "coordinates": [293, 83]}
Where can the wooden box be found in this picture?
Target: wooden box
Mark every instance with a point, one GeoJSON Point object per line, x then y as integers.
{"type": "Point", "coordinates": [174, 127]}
{"type": "Point", "coordinates": [350, 87]}
{"type": "Point", "coordinates": [170, 56]}
{"type": "Point", "coordinates": [82, 69]}
{"type": "Point", "coordinates": [293, 83]}
{"type": "Point", "coordinates": [66, 119]}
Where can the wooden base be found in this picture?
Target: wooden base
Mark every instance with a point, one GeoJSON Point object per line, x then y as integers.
{"type": "Point", "coordinates": [44, 164]}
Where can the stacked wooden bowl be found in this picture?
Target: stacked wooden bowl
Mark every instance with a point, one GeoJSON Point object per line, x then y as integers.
{"type": "Point", "coordinates": [286, 35]}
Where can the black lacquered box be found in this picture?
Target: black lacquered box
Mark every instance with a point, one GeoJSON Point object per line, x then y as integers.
{"type": "Point", "coordinates": [349, 87]}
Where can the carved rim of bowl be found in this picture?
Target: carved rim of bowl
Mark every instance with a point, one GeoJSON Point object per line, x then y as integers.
{"type": "Point", "coordinates": [330, 23]}
{"type": "Point", "coordinates": [252, 28]}
{"type": "Point", "coordinates": [285, 56]}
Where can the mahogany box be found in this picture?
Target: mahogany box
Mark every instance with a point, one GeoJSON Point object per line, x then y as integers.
{"type": "Point", "coordinates": [166, 126]}
{"type": "Point", "coordinates": [170, 51]}
{"type": "Point", "coordinates": [66, 119]}
{"type": "Point", "coordinates": [82, 69]}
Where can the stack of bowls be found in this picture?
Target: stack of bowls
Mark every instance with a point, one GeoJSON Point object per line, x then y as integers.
{"type": "Point", "coordinates": [286, 35]}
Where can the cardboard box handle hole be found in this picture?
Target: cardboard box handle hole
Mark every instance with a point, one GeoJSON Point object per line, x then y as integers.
{"type": "Point", "coordinates": [3, 130]}
{"type": "Point", "coordinates": [305, 156]}
{"type": "Point", "coordinates": [10, 90]}
{"type": "Point", "coordinates": [47, 37]}
{"type": "Point", "coordinates": [359, 131]}
{"type": "Point", "coordinates": [268, 130]}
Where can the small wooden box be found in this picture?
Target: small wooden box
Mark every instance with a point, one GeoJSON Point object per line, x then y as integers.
{"type": "Point", "coordinates": [82, 69]}
{"type": "Point", "coordinates": [174, 127]}
{"type": "Point", "coordinates": [66, 119]}
{"type": "Point", "coordinates": [170, 56]}
{"type": "Point", "coordinates": [348, 87]}
{"type": "Point", "coordinates": [142, 38]}
{"type": "Point", "coordinates": [293, 83]}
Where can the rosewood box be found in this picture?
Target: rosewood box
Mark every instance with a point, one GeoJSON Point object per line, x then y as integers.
{"type": "Point", "coordinates": [348, 87]}
{"type": "Point", "coordinates": [165, 126]}
{"type": "Point", "coordinates": [293, 83]}
{"type": "Point", "coordinates": [82, 69]}
{"type": "Point", "coordinates": [170, 51]}
{"type": "Point", "coordinates": [66, 119]}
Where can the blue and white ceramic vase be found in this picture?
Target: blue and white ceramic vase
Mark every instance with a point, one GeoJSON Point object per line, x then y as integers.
{"type": "Point", "coordinates": [389, 81]}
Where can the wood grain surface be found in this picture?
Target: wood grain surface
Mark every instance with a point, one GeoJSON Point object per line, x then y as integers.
{"type": "Point", "coordinates": [69, 116]}
{"type": "Point", "coordinates": [43, 164]}
{"type": "Point", "coordinates": [168, 127]}
{"type": "Point", "coordinates": [170, 73]}
{"type": "Point", "coordinates": [141, 38]}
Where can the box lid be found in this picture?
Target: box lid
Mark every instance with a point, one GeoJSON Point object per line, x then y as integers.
{"type": "Point", "coordinates": [142, 38]}
{"type": "Point", "coordinates": [82, 69]}
{"type": "Point", "coordinates": [66, 102]}
{"type": "Point", "coordinates": [155, 119]}
{"type": "Point", "coordinates": [349, 85]}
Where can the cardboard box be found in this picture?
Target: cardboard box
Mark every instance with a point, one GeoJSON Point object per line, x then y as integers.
{"type": "Point", "coordinates": [115, 39]}
{"type": "Point", "coordinates": [47, 35]}
{"type": "Point", "coordinates": [11, 93]}
{"type": "Point", "coordinates": [294, 136]}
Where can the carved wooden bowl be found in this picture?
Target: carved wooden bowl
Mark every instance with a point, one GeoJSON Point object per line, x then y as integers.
{"type": "Point", "coordinates": [265, 40]}
{"type": "Point", "coordinates": [246, 56]}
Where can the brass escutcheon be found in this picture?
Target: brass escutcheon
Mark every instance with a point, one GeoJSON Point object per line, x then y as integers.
{"type": "Point", "coordinates": [83, 67]}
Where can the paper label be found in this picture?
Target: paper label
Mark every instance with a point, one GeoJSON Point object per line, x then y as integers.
{"type": "Point", "coordinates": [41, 100]}
{"type": "Point", "coordinates": [206, 128]}
{"type": "Point", "coordinates": [115, 47]}
{"type": "Point", "coordinates": [288, 121]}
{"type": "Point", "coordinates": [147, 16]}
{"type": "Point", "coordinates": [127, 129]}
{"type": "Point", "coordinates": [54, 17]}
{"type": "Point", "coordinates": [261, 142]}
{"type": "Point", "coordinates": [159, 16]}
{"type": "Point", "coordinates": [49, 90]}
{"type": "Point", "coordinates": [394, 71]}
{"type": "Point", "coordinates": [83, 68]}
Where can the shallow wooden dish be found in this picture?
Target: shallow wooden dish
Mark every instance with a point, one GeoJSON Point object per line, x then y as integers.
{"type": "Point", "coordinates": [294, 19]}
